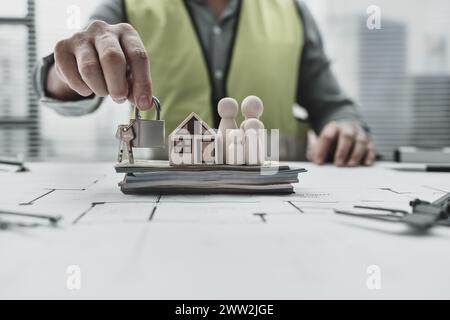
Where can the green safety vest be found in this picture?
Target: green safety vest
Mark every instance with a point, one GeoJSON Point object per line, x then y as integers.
{"type": "Point", "coordinates": [265, 60]}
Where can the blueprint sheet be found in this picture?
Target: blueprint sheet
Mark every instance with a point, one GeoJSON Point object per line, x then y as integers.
{"type": "Point", "coordinates": [219, 247]}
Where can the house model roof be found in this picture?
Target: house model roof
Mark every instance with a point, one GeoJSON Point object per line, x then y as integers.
{"type": "Point", "coordinates": [188, 118]}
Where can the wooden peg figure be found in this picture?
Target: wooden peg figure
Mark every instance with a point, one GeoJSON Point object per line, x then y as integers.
{"type": "Point", "coordinates": [235, 147]}
{"type": "Point", "coordinates": [228, 109]}
{"type": "Point", "coordinates": [252, 108]}
{"type": "Point", "coordinates": [254, 142]}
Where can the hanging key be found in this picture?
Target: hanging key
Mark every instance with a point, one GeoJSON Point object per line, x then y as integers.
{"type": "Point", "coordinates": [119, 134]}
{"type": "Point", "coordinates": [119, 137]}
{"type": "Point", "coordinates": [127, 137]}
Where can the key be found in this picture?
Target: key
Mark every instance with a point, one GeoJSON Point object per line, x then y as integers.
{"type": "Point", "coordinates": [123, 133]}
{"type": "Point", "coordinates": [119, 137]}
{"type": "Point", "coordinates": [127, 137]}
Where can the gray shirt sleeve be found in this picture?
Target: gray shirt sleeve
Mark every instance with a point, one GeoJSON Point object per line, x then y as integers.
{"type": "Point", "coordinates": [110, 11]}
{"type": "Point", "coordinates": [319, 92]}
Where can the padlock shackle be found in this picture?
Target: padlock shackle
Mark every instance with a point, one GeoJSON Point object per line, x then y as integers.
{"type": "Point", "coordinates": [137, 114]}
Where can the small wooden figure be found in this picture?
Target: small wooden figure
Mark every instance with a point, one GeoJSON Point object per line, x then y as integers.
{"type": "Point", "coordinates": [254, 142]}
{"type": "Point", "coordinates": [252, 108]}
{"type": "Point", "coordinates": [235, 147]}
{"type": "Point", "coordinates": [228, 109]}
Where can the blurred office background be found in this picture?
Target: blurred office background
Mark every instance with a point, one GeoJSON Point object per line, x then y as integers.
{"type": "Point", "coordinates": [399, 75]}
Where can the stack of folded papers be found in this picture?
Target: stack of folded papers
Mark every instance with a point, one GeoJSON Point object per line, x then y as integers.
{"type": "Point", "coordinates": [158, 177]}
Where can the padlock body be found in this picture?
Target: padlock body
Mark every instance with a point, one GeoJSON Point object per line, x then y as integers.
{"type": "Point", "coordinates": [149, 134]}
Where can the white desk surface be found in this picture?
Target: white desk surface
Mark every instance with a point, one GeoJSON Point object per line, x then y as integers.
{"type": "Point", "coordinates": [215, 247]}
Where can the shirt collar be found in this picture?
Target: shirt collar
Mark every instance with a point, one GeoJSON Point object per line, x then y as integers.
{"type": "Point", "coordinates": [230, 10]}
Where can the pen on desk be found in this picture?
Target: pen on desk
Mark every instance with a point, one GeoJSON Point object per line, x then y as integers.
{"type": "Point", "coordinates": [426, 168]}
{"type": "Point", "coordinates": [438, 168]}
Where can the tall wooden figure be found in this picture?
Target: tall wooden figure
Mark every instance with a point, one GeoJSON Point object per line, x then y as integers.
{"type": "Point", "coordinates": [228, 109]}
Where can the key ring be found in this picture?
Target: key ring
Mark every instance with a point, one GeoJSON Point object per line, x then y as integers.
{"type": "Point", "coordinates": [137, 114]}
{"type": "Point", "coordinates": [156, 103]}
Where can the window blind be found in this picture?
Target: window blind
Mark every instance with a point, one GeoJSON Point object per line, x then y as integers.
{"type": "Point", "coordinates": [398, 74]}
{"type": "Point", "coordinates": [19, 112]}
{"type": "Point", "coordinates": [383, 89]}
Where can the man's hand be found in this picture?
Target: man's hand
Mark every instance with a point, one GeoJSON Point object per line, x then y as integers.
{"type": "Point", "coordinates": [349, 142]}
{"type": "Point", "coordinates": [104, 60]}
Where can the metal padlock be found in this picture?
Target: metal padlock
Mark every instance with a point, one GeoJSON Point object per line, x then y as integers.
{"type": "Point", "coordinates": [149, 133]}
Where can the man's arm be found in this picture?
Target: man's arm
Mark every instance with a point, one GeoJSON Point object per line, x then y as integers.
{"type": "Point", "coordinates": [333, 115]}
{"type": "Point", "coordinates": [55, 93]}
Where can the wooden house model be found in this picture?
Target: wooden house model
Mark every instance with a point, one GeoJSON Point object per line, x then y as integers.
{"type": "Point", "coordinates": [193, 142]}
